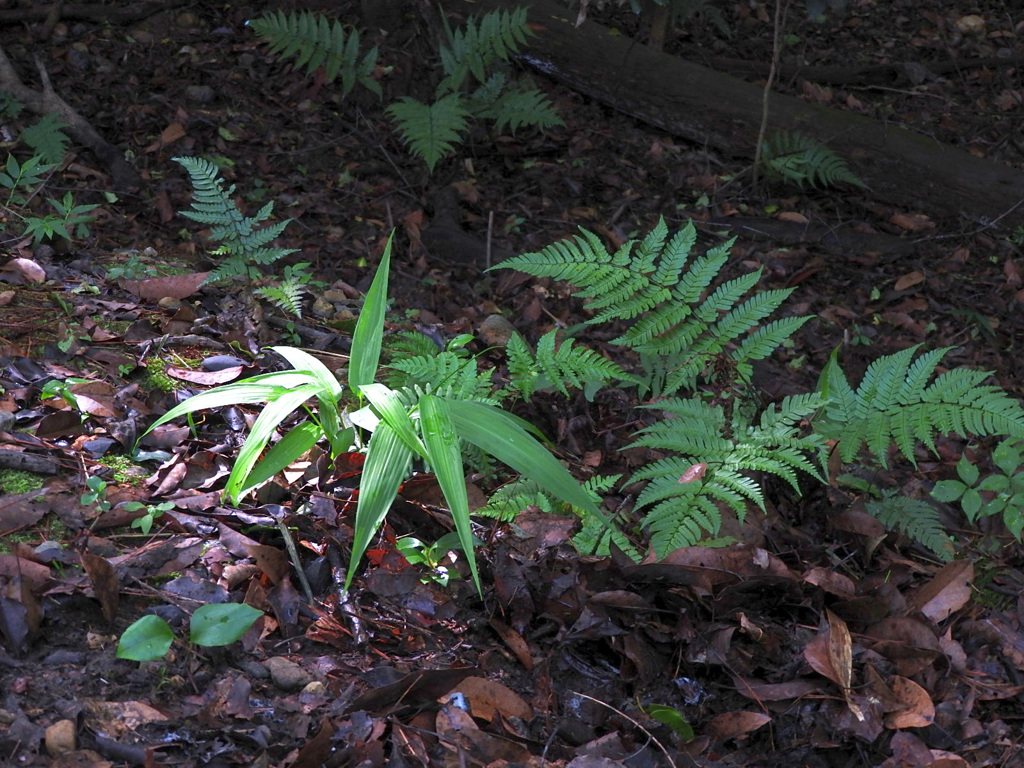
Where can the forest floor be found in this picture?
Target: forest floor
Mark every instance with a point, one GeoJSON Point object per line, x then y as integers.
{"type": "Point", "coordinates": [566, 657]}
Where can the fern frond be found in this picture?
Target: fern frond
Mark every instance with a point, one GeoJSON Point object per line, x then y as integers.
{"type": "Point", "coordinates": [797, 158]}
{"type": "Point", "coordinates": [895, 404]}
{"type": "Point", "coordinates": [516, 108]}
{"type": "Point", "coordinates": [315, 41]}
{"type": "Point", "coordinates": [446, 371]}
{"type": "Point", "coordinates": [47, 139]}
{"type": "Point", "coordinates": [917, 520]}
{"type": "Point", "coordinates": [410, 344]}
{"type": "Point", "coordinates": [559, 366]}
{"type": "Point", "coordinates": [431, 131]}
{"type": "Point", "coordinates": [474, 48]}
{"type": "Point", "coordinates": [241, 241]}
{"type": "Point", "coordinates": [675, 333]}
{"type": "Point", "coordinates": [286, 295]}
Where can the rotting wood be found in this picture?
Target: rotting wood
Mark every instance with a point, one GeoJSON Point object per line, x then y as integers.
{"type": "Point", "coordinates": [721, 112]}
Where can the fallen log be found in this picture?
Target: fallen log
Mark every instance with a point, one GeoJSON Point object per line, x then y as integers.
{"type": "Point", "coordinates": [722, 112]}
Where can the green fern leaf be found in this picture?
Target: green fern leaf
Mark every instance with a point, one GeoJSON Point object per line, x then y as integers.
{"type": "Point", "coordinates": [917, 520]}
{"type": "Point", "coordinates": [895, 404]}
{"type": "Point", "coordinates": [287, 295]}
{"type": "Point", "coordinates": [558, 366]}
{"type": "Point", "coordinates": [796, 158]}
{"type": "Point", "coordinates": [431, 131]}
{"type": "Point", "coordinates": [242, 243]}
{"type": "Point", "coordinates": [477, 46]}
{"type": "Point", "coordinates": [47, 139]}
{"type": "Point", "coordinates": [315, 41]}
{"type": "Point", "coordinates": [516, 108]}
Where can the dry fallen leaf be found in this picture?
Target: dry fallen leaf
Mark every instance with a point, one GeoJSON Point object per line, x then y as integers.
{"type": "Point", "coordinates": [732, 725]}
{"type": "Point", "coordinates": [918, 710]}
{"type": "Point", "coordinates": [909, 280]}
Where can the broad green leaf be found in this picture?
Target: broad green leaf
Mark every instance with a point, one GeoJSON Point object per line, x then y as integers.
{"type": "Point", "coordinates": [1014, 520]}
{"type": "Point", "coordinates": [221, 623]}
{"type": "Point", "coordinates": [1007, 456]}
{"type": "Point", "coordinates": [389, 407]}
{"type": "Point", "coordinates": [967, 471]}
{"type": "Point", "coordinates": [147, 639]}
{"type": "Point", "coordinates": [284, 452]}
{"type": "Point", "coordinates": [673, 719]}
{"type": "Point", "coordinates": [270, 418]}
{"type": "Point", "coordinates": [388, 461]}
{"type": "Point", "coordinates": [971, 503]}
{"type": "Point", "coordinates": [369, 332]}
{"type": "Point", "coordinates": [948, 490]}
{"type": "Point", "coordinates": [500, 435]}
{"type": "Point", "coordinates": [442, 444]}
{"type": "Point", "coordinates": [994, 483]}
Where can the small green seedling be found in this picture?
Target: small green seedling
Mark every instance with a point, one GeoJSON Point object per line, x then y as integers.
{"type": "Point", "coordinates": [673, 718]}
{"type": "Point", "coordinates": [96, 493]}
{"type": "Point", "coordinates": [153, 511]}
{"type": "Point", "coordinates": [62, 389]}
{"type": "Point", "coordinates": [149, 638]}
{"type": "Point", "coordinates": [999, 492]}
{"type": "Point", "coordinates": [432, 556]}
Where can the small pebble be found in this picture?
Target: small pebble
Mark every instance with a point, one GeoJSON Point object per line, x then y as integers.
{"type": "Point", "coordinates": [61, 738]}
{"type": "Point", "coordinates": [286, 674]}
{"type": "Point", "coordinates": [201, 94]}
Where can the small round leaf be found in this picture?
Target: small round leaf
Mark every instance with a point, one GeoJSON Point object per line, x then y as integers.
{"type": "Point", "coordinates": [147, 639]}
{"type": "Point", "coordinates": [221, 623]}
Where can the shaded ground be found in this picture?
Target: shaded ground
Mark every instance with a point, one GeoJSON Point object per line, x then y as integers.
{"type": "Point", "coordinates": [566, 652]}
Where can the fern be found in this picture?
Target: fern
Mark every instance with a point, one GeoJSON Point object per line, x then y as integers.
{"type": "Point", "coordinates": [516, 108]}
{"type": "Point", "coordinates": [410, 344]}
{"type": "Point", "coordinates": [478, 46]}
{"type": "Point", "coordinates": [647, 284]}
{"type": "Point", "coordinates": [558, 367]}
{"type": "Point", "coordinates": [445, 370]}
{"type": "Point", "coordinates": [243, 243]}
{"type": "Point", "coordinates": [594, 536]}
{"type": "Point", "coordinates": [896, 405]}
{"type": "Point", "coordinates": [917, 520]}
{"type": "Point", "coordinates": [799, 159]}
{"type": "Point", "coordinates": [683, 498]}
{"type": "Point", "coordinates": [46, 139]}
{"type": "Point", "coordinates": [431, 131]}
{"type": "Point", "coordinates": [317, 42]}
{"type": "Point", "coordinates": [475, 51]}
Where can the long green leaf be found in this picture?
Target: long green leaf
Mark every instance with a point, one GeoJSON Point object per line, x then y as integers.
{"type": "Point", "coordinates": [284, 452]}
{"type": "Point", "coordinates": [302, 361]}
{"type": "Point", "coordinates": [230, 394]}
{"type": "Point", "coordinates": [442, 444]}
{"type": "Point", "coordinates": [388, 461]}
{"type": "Point", "coordinates": [270, 417]}
{"type": "Point", "coordinates": [500, 435]}
{"type": "Point", "coordinates": [390, 409]}
{"type": "Point", "coordinates": [369, 332]}
{"type": "Point", "coordinates": [332, 393]}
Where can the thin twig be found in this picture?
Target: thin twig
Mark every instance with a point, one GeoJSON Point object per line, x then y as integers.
{"type": "Point", "coordinates": [650, 735]}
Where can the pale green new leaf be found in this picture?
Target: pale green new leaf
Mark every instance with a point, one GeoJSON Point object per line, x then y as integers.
{"type": "Point", "coordinates": [388, 462]}
{"type": "Point", "coordinates": [445, 458]}
{"type": "Point", "coordinates": [283, 453]}
{"type": "Point", "coordinates": [369, 332]}
{"type": "Point", "coordinates": [303, 361]}
{"type": "Point", "coordinates": [269, 419]}
{"type": "Point", "coordinates": [388, 405]}
{"type": "Point", "coordinates": [249, 391]}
